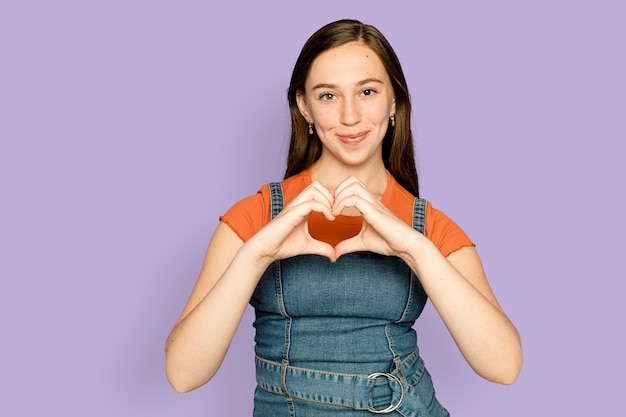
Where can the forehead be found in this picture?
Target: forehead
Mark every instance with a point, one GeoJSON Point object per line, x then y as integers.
{"type": "Point", "coordinates": [346, 64]}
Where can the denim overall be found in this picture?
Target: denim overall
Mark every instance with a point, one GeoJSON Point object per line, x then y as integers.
{"type": "Point", "coordinates": [336, 339]}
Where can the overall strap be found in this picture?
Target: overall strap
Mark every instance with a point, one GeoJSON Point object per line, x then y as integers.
{"type": "Point", "coordinates": [417, 294]}
{"type": "Point", "coordinates": [419, 215]}
{"type": "Point", "coordinates": [276, 198]}
{"type": "Point", "coordinates": [277, 203]}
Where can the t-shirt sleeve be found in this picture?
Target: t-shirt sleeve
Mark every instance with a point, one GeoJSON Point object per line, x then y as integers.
{"type": "Point", "coordinates": [444, 232]}
{"type": "Point", "coordinates": [249, 215]}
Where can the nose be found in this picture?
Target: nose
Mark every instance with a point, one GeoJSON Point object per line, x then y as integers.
{"type": "Point", "coordinates": [350, 112]}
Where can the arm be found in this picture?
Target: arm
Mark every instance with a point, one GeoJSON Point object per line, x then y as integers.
{"type": "Point", "coordinates": [460, 293]}
{"type": "Point", "coordinates": [231, 270]}
{"type": "Point", "coordinates": [456, 285]}
{"type": "Point", "coordinates": [200, 338]}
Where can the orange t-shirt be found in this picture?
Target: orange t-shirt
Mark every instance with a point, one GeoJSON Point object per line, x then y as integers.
{"type": "Point", "coordinates": [249, 215]}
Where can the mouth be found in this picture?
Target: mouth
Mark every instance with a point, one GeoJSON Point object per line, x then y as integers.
{"type": "Point", "coordinates": [353, 139]}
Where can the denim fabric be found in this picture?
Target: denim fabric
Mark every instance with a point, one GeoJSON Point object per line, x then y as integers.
{"type": "Point", "coordinates": [323, 327]}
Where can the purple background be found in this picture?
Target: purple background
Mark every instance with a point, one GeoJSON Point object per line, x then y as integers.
{"type": "Point", "coordinates": [128, 127]}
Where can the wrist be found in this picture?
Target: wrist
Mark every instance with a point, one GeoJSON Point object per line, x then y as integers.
{"type": "Point", "coordinates": [253, 255]}
{"type": "Point", "coordinates": [418, 248]}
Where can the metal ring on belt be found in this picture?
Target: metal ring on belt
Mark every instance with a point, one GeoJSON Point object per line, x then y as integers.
{"type": "Point", "coordinates": [391, 407]}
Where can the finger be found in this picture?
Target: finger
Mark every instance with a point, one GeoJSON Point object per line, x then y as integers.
{"type": "Point", "coordinates": [351, 194]}
{"type": "Point", "coordinates": [349, 182]}
{"type": "Point", "coordinates": [323, 190]}
{"type": "Point", "coordinates": [362, 204]}
{"type": "Point", "coordinates": [314, 191]}
{"type": "Point", "coordinates": [299, 212]}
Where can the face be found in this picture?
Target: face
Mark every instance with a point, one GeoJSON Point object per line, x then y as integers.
{"type": "Point", "coordinates": [349, 98]}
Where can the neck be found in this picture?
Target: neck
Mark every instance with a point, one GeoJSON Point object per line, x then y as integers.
{"type": "Point", "coordinates": [373, 175]}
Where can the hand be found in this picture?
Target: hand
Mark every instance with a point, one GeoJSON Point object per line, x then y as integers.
{"type": "Point", "coordinates": [288, 234]}
{"type": "Point", "coordinates": [382, 232]}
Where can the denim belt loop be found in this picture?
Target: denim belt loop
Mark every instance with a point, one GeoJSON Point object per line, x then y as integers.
{"type": "Point", "coordinates": [283, 378]}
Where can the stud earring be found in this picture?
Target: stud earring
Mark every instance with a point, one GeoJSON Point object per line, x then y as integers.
{"type": "Point", "coordinates": [310, 128]}
{"type": "Point", "coordinates": [393, 120]}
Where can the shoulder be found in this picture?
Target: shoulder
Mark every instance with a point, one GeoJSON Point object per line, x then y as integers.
{"type": "Point", "coordinates": [249, 215]}
{"type": "Point", "coordinates": [444, 232]}
{"type": "Point", "coordinates": [440, 229]}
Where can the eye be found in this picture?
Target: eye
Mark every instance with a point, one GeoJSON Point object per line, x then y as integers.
{"type": "Point", "coordinates": [327, 96]}
{"type": "Point", "coordinates": [368, 92]}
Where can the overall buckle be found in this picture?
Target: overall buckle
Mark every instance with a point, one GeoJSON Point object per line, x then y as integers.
{"type": "Point", "coordinates": [392, 407]}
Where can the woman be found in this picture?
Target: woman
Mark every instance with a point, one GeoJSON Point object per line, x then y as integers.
{"type": "Point", "coordinates": [339, 258]}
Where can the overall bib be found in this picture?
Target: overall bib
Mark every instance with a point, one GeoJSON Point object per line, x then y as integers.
{"type": "Point", "coordinates": [336, 339]}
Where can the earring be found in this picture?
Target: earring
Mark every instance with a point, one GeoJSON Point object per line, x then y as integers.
{"type": "Point", "coordinates": [393, 120]}
{"type": "Point", "coordinates": [310, 128]}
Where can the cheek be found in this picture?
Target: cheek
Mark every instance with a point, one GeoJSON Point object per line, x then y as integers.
{"type": "Point", "coordinates": [325, 117]}
{"type": "Point", "coordinates": [380, 113]}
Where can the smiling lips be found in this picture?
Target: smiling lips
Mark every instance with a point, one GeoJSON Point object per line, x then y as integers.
{"type": "Point", "coordinates": [353, 139]}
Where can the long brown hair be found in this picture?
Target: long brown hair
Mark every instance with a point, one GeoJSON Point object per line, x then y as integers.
{"type": "Point", "coordinates": [304, 149]}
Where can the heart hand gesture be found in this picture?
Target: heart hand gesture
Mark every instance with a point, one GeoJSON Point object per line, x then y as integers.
{"type": "Point", "coordinates": [288, 234]}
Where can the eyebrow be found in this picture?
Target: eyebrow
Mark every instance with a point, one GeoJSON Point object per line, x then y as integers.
{"type": "Point", "coordinates": [360, 83]}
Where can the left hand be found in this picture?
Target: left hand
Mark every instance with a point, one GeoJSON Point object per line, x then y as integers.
{"type": "Point", "coordinates": [382, 232]}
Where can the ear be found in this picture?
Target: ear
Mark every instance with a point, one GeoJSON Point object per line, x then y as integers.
{"type": "Point", "coordinates": [393, 106]}
{"type": "Point", "coordinates": [303, 107]}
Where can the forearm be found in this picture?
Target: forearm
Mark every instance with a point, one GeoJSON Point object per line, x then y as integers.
{"type": "Point", "coordinates": [198, 344]}
{"type": "Point", "coordinates": [485, 336]}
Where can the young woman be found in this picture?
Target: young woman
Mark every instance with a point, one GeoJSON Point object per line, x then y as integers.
{"type": "Point", "coordinates": [339, 259]}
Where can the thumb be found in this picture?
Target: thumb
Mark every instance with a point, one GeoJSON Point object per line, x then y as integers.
{"type": "Point", "coordinates": [353, 244]}
{"type": "Point", "coordinates": [323, 249]}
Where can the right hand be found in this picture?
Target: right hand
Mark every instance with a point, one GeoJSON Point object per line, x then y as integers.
{"type": "Point", "coordinates": [288, 234]}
